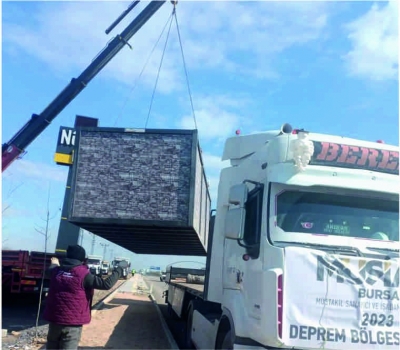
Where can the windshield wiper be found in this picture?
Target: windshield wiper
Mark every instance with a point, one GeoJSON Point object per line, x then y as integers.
{"type": "Point", "coordinates": [328, 247]}
{"type": "Point", "coordinates": [392, 253]}
{"type": "Point", "coordinates": [387, 249]}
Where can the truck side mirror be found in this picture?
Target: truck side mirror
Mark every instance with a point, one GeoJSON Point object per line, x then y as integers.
{"type": "Point", "coordinates": [234, 220]}
{"type": "Point", "coordinates": [238, 195]}
{"type": "Point", "coordinates": [234, 223]}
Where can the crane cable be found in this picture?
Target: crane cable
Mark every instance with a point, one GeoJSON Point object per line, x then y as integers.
{"type": "Point", "coordinates": [173, 14]}
{"type": "Point", "coordinates": [159, 69]}
{"type": "Point", "coordinates": [185, 68]}
{"type": "Point", "coordinates": [141, 73]}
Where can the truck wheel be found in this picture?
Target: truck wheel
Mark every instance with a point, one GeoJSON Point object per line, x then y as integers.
{"type": "Point", "coordinates": [227, 343]}
{"type": "Point", "coordinates": [171, 313]}
{"type": "Point", "coordinates": [187, 341]}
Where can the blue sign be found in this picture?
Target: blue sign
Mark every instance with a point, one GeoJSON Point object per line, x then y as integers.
{"type": "Point", "coordinates": [157, 268]}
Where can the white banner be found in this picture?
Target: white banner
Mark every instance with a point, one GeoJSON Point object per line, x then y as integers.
{"type": "Point", "coordinates": [339, 302]}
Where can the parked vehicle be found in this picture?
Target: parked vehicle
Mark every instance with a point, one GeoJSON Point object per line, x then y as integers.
{"type": "Point", "coordinates": [163, 276]}
{"type": "Point", "coordinates": [305, 238]}
{"type": "Point", "coordinates": [105, 268]}
{"type": "Point", "coordinates": [94, 263]}
{"type": "Point", "coordinates": [22, 271]}
{"type": "Point", "coordinates": [125, 271]}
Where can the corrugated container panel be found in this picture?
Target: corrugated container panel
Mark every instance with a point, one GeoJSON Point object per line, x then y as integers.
{"type": "Point", "coordinates": [142, 189]}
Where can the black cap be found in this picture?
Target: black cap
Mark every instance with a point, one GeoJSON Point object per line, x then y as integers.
{"type": "Point", "coordinates": [76, 252]}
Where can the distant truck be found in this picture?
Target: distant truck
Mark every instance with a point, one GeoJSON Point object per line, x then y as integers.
{"type": "Point", "coordinates": [153, 271]}
{"type": "Point", "coordinates": [125, 271]}
{"type": "Point", "coordinates": [163, 276]}
{"type": "Point", "coordinates": [303, 249]}
{"type": "Point", "coordinates": [22, 271]}
{"type": "Point", "coordinates": [105, 268]}
{"type": "Point", "coordinates": [94, 264]}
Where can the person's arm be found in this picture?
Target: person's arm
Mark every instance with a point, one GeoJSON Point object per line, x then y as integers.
{"type": "Point", "coordinates": [94, 282]}
{"type": "Point", "coordinates": [49, 270]}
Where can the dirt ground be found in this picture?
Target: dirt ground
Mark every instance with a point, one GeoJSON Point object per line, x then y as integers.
{"type": "Point", "coordinates": [101, 294]}
{"type": "Point", "coordinates": [26, 338]}
{"type": "Point", "coordinates": [128, 321]}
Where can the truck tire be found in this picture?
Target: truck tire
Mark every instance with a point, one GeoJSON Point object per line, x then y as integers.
{"type": "Point", "coordinates": [187, 340]}
{"type": "Point", "coordinates": [227, 343]}
{"type": "Point", "coordinates": [172, 314]}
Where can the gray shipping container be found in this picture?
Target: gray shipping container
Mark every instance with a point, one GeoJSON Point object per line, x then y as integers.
{"type": "Point", "coordinates": [145, 190]}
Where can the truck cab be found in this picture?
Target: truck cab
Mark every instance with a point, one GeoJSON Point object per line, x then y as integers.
{"type": "Point", "coordinates": [125, 271]}
{"type": "Point", "coordinates": [94, 264]}
{"type": "Point", "coordinates": [305, 248]}
{"type": "Point", "coordinates": [105, 268]}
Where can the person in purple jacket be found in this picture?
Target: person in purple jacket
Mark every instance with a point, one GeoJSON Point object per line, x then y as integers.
{"type": "Point", "coordinates": [69, 301]}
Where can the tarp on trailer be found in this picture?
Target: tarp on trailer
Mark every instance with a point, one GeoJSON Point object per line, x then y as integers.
{"type": "Point", "coordinates": [145, 190]}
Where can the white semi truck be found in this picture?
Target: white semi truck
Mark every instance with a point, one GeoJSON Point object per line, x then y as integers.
{"type": "Point", "coordinates": [94, 264]}
{"type": "Point", "coordinates": [105, 268]}
{"type": "Point", "coordinates": [125, 272]}
{"type": "Point", "coordinates": [303, 248]}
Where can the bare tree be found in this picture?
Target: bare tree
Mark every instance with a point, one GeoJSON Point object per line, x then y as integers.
{"type": "Point", "coordinates": [12, 190]}
{"type": "Point", "coordinates": [7, 206]}
{"type": "Point", "coordinates": [45, 232]}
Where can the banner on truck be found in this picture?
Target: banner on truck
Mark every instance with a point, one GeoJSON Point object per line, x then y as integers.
{"type": "Point", "coordinates": [340, 302]}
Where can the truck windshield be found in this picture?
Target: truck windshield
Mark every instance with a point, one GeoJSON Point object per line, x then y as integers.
{"type": "Point", "coordinates": [93, 262]}
{"type": "Point", "coordinates": [321, 213]}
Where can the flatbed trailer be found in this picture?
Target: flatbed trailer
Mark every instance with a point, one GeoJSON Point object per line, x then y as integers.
{"type": "Point", "coordinates": [179, 289]}
{"type": "Point", "coordinates": [193, 288]}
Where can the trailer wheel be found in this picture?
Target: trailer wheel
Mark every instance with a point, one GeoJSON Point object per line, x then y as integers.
{"type": "Point", "coordinates": [171, 313]}
{"type": "Point", "coordinates": [227, 343]}
{"type": "Point", "coordinates": [187, 341]}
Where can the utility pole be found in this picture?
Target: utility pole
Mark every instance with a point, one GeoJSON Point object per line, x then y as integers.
{"type": "Point", "coordinates": [93, 243]}
{"type": "Point", "coordinates": [81, 234]}
{"type": "Point", "coordinates": [105, 245]}
{"type": "Point", "coordinates": [111, 253]}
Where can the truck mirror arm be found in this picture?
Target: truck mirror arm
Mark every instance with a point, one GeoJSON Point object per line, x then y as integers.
{"type": "Point", "coordinates": [249, 247]}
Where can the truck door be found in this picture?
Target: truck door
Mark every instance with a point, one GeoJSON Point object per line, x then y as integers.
{"type": "Point", "coordinates": [246, 275]}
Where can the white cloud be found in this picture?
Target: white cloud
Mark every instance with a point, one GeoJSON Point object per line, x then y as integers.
{"type": "Point", "coordinates": [23, 169]}
{"type": "Point", "coordinates": [212, 123]}
{"type": "Point", "coordinates": [213, 166]}
{"type": "Point", "coordinates": [216, 35]}
{"type": "Point", "coordinates": [374, 37]}
{"type": "Point", "coordinates": [214, 162]}
{"type": "Point", "coordinates": [217, 117]}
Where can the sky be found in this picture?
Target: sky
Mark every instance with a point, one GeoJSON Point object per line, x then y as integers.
{"type": "Point", "coordinates": [329, 67]}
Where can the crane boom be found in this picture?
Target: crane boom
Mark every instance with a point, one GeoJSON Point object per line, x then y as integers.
{"type": "Point", "coordinates": [39, 122]}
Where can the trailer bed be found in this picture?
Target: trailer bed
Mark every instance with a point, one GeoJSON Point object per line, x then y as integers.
{"type": "Point", "coordinates": [195, 288]}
